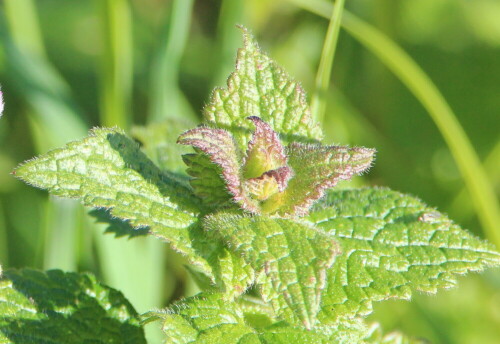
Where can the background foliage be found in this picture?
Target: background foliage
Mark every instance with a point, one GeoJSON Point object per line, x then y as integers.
{"type": "Point", "coordinates": [68, 66]}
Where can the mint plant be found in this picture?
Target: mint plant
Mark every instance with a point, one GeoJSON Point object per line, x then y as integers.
{"type": "Point", "coordinates": [279, 254]}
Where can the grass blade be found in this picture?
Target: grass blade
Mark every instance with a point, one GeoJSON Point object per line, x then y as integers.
{"type": "Point", "coordinates": [228, 39]}
{"type": "Point", "coordinates": [136, 267]}
{"type": "Point", "coordinates": [318, 101]}
{"type": "Point", "coordinates": [116, 63]}
{"type": "Point", "coordinates": [53, 119]}
{"type": "Point", "coordinates": [421, 86]}
{"type": "Point", "coordinates": [167, 100]}
{"type": "Point", "coordinates": [25, 29]}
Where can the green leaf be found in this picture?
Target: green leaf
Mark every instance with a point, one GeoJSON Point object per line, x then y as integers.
{"type": "Point", "coordinates": [291, 258]}
{"type": "Point", "coordinates": [345, 331]}
{"type": "Point", "coordinates": [220, 147]}
{"type": "Point", "coordinates": [317, 168]}
{"type": "Point", "coordinates": [158, 141]}
{"type": "Point", "coordinates": [207, 182]}
{"type": "Point", "coordinates": [107, 170]}
{"type": "Point", "coordinates": [391, 243]}
{"type": "Point", "coordinates": [205, 318]}
{"type": "Point", "coordinates": [259, 87]}
{"type": "Point", "coordinates": [231, 275]}
{"type": "Point", "coordinates": [265, 151]}
{"type": "Point", "coordinates": [211, 319]}
{"type": "Point", "coordinates": [57, 307]}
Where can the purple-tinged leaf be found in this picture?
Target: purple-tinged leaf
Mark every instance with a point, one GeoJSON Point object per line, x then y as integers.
{"type": "Point", "coordinates": [317, 168]}
{"type": "Point", "coordinates": [265, 151]}
{"type": "Point", "coordinates": [269, 183]}
{"type": "Point", "coordinates": [220, 147]}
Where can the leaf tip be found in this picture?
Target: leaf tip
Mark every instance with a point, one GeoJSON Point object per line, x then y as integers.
{"type": "Point", "coordinates": [248, 39]}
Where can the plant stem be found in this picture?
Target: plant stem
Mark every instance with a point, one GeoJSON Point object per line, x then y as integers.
{"type": "Point", "coordinates": [318, 102]}
{"type": "Point", "coordinates": [415, 79]}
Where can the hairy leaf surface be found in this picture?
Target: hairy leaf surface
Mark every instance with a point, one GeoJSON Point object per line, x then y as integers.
{"type": "Point", "coordinates": [57, 307]}
{"type": "Point", "coordinates": [231, 274]}
{"type": "Point", "coordinates": [205, 318]}
{"type": "Point", "coordinates": [107, 170]}
{"type": "Point", "coordinates": [210, 319]}
{"type": "Point", "coordinates": [219, 146]}
{"type": "Point", "coordinates": [259, 87]}
{"type": "Point", "coordinates": [291, 257]}
{"type": "Point", "coordinates": [317, 168]}
{"type": "Point", "coordinates": [391, 243]}
{"type": "Point", "coordinates": [207, 181]}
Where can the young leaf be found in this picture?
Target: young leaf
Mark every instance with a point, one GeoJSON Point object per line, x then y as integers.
{"type": "Point", "coordinates": [107, 170]}
{"type": "Point", "coordinates": [259, 87]}
{"type": "Point", "coordinates": [291, 257]}
{"type": "Point", "coordinates": [58, 307]}
{"type": "Point", "coordinates": [220, 147]}
{"type": "Point", "coordinates": [265, 151]}
{"type": "Point", "coordinates": [317, 168]}
{"type": "Point", "coordinates": [391, 243]}
{"type": "Point", "coordinates": [207, 181]}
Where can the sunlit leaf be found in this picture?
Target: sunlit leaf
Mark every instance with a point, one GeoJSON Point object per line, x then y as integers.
{"type": "Point", "coordinates": [291, 257]}
{"type": "Point", "coordinates": [391, 243]}
{"type": "Point", "coordinates": [58, 307]}
{"type": "Point", "coordinates": [107, 170]}
{"type": "Point", "coordinates": [259, 87]}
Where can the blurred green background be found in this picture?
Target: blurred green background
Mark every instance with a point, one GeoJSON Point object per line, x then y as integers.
{"type": "Point", "coordinates": [66, 66]}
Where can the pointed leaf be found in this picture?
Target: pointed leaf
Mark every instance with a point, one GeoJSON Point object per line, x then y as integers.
{"type": "Point", "coordinates": [220, 147]}
{"type": "Point", "coordinates": [270, 183]}
{"type": "Point", "coordinates": [58, 307]}
{"type": "Point", "coordinates": [391, 243]}
{"type": "Point", "coordinates": [259, 87]}
{"type": "Point", "coordinates": [317, 168]}
{"type": "Point", "coordinates": [107, 170]}
{"type": "Point", "coordinates": [265, 151]}
{"type": "Point", "coordinates": [291, 257]}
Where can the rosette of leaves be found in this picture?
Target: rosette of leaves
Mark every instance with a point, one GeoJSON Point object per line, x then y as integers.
{"type": "Point", "coordinates": [279, 254]}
